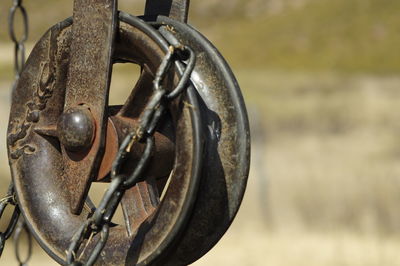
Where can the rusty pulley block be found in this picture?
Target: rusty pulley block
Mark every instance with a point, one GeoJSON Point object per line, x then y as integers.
{"type": "Point", "coordinates": [176, 153]}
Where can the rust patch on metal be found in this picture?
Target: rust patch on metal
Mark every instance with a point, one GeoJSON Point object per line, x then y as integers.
{"type": "Point", "coordinates": [43, 90]}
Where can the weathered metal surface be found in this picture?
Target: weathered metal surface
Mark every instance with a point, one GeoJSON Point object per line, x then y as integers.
{"type": "Point", "coordinates": [163, 154]}
{"type": "Point", "coordinates": [88, 84]}
{"type": "Point", "coordinates": [138, 203]}
{"type": "Point", "coordinates": [110, 151]}
{"type": "Point", "coordinates": [227, 147]}
{"type": "Point", "coordinates": [76, 128]}
{"type": "Point", "coordinates": [40, 178]}
{"type": "Point", "coordinates": [171, 218]}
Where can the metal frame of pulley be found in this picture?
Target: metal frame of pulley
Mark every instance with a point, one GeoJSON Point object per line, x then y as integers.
{"type": "Point", "coordinates": [39, 219]}
{"type": "Point", "coordinates": [212, 146]}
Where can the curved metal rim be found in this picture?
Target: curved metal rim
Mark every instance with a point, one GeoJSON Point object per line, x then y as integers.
{"type": "Point", "coordinates": [236, 98]}
{"type": "Point", "coordinates": [63, 24]}
{"type": "Point", "coordinates": [197, 143]}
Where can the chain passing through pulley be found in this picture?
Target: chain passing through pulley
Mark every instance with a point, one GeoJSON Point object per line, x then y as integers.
{"type": "Point", "coordinates": [175, 154]}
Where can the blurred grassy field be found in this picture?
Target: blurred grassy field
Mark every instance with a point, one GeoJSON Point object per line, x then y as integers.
{"type": "Point", "coordinates": [320, 79]}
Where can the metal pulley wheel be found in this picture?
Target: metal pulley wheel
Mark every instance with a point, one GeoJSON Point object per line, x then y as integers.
{"type": "Point", "coordinates": [62, 137]}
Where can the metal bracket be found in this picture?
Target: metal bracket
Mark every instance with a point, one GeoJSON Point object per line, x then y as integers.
{"type": "Point", "coordinates": [175, 9]}
{"type": "Point", "coordinates": [88, 84]}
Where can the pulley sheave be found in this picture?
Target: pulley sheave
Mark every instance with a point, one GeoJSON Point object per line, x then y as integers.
{"type": "Point", "coordinates": [197, 175]}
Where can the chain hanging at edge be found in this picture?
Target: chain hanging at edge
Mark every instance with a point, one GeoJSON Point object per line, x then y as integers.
{"type": "Point", "coordinates": [21, 226]}
{"type": "Point", "coordinates": [19, 43]}
{"type": "Point", "coordinates": [100, 221]}
{"type": "Point", "coordinates": [9, 199]}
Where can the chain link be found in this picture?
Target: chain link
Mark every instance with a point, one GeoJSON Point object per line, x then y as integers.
{"type": "Point", "coordinates": [19, 43]}
{"type": "Point", "coordinates": [21, 226]}
{"type": "Point", "coordinates": [100, 221]}
{"type": "Point", "coordinates": [9, 199]}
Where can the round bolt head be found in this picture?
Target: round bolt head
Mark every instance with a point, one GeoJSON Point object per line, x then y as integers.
{"type": "Point", "coordinates": [76, 129]}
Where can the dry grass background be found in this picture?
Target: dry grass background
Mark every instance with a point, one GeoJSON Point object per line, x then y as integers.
{"type": "Point", "coordinates": [325, 178]}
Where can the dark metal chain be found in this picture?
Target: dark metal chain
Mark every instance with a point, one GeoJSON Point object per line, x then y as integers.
{"type": "Point", "coordinates": [20, 228]}
{"type": "Point", "coordinates": [19, 43]}
{"type": "Point", "coordinates": [9, 199]}
{"type": "Point", "coordinates": [99, 222]}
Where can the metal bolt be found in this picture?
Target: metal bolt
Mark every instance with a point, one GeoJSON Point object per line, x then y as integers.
{"type": "Point", "coordinates": [76, 129]}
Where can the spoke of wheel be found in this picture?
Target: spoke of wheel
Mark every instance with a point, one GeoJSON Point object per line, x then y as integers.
{"type": "Point", "coordinates": [138, 203]}
{"type": "Point", "coordinates": [139, 96]}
